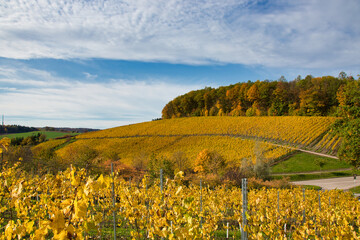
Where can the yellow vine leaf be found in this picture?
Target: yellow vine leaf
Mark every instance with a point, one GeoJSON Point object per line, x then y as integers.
{"type": "Point", "coordinates": [178, 190]}
{"type": "Point", "coordinates": [88, 186]}
{"type": "Point", "coordinates": [101, 182]}
{"type": "Point", "coordinates": [17, 190]}
{"type": "Point", "coordinates": [29, 226]}
{"type": "Point", "coordinates": [9, 230]}
{"type": "Point", "coordinates": [80, 209]}
{"type": "Point", "coordinates": [40, 234]}
{"type": "Point", "coordinates": [57, 222]}
{"type": "Point", "coordinates": [20, 230]}
{"type": "Point", "coordinates": [74, 179]}
{"type": "Point", "coordinates": [61, 236]}
{"type": "Point", "coordinates": [70, 229]}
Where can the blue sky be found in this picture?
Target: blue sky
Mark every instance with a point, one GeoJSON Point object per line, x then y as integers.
{"type": "Point", "coordinates": [106, 63]}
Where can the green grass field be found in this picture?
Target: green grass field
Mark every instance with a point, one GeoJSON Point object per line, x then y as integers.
{"type": "Point", "coordinates": [355, 189]}
{"type": "Point", "coordinates": [303, 177]}
{"type": "Point", "coordinates": [311, 187]}
{"type": "Point", "coordinates": [305, 162]}
{"type": "Point", "coordinates": [49, 134]}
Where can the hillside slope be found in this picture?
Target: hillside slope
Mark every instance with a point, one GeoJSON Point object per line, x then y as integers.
{"type": "Point", "coordinates": [305, 132]}
{"type": "Point", "coordinates": [234, 138]}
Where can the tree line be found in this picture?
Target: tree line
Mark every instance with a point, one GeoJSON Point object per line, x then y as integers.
{"type": "Point", "coordinates": [309, 96]}
{"type": "Point", "coordinates": [8, 129]}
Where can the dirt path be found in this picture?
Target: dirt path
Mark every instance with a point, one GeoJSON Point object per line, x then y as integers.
{"type": "Point", "coordinates": [316, 153]}
{"type": "Point", "coordinates": [306, 151]}
{"type": "Point", "coordinates": [343, 183]}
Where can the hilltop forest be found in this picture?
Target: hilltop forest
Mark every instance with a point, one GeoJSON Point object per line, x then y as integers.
{"type": "Point", "coordinates": [301, 97]}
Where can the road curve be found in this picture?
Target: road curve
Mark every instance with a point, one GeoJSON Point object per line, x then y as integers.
{"type": "Point", "coordinates": [343, 183]}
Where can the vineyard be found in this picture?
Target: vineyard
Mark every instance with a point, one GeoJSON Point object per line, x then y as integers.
{"type": "Point", "coordinates": [234, 138]}
{"type": "Point", "coordinates": [301, 131]}
{"type": "Point", "coordinates": [234, 149]}
{"type": "Point", "coordinates": [73, 205]}
{"type": "Point", "coordinates": [294, 131]}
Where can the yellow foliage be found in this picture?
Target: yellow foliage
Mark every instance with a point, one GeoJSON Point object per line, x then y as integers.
{"type": "Point", "coordinates": [202, 158]}
{"type": "Point", "coordinates": [175, 211]}
{"type": "Point", "coordinates": [5, 143]}
{"type": "Point", "coordinates": [292, 129]}
{"type": "Point", "coordinates": [80, 209]}
{"type": "Point", "coordinates": [57, 222]}
{"type": "Point", "coordinates": [61, 235]}
{"type": "Point", "coordinates": [232, 137]}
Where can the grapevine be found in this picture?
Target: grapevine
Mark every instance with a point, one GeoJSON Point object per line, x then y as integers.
{"type": "Point", "coordinates": [73, 205]}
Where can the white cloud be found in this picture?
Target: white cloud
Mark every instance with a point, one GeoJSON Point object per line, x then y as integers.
{"type": "Point", "coordinates": [39, 101]}
{"type": "Point", "coordinates": [311, 34]}
{"type": "Point", "coordinates": [90, 76]}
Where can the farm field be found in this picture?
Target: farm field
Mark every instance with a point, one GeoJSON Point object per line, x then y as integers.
{"type": "Point", "coordinates": [310, 175]}
{"type": "Point", "coordinates": [73, 204]}
{"type": "Point", "coordinates": [305, 162]}
{"type": "Point", "coordinates": [49, 134]}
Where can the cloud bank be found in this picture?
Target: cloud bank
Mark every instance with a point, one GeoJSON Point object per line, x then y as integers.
{"type": "Point", "coordinates": [309, 34]}
{"type": "Point", "coordinates": [38, 98]}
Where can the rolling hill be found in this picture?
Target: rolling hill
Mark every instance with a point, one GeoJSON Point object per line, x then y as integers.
{"type": "Point", "coordinates": [234, 138]}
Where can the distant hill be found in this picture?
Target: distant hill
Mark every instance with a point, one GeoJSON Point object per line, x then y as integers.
{"type": "Point", "coordinates": [67, 129]}
{"type": "Point", "coordinates": [10, 129]}
{"type": "Point", "coordinates": [48, 134]}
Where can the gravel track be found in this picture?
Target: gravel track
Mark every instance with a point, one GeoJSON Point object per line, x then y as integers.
{"type": "Point", "coordinates": [343, 183]}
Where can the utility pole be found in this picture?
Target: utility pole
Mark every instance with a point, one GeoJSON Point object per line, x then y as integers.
{"type": "Point", "coordinates": [2, 128]}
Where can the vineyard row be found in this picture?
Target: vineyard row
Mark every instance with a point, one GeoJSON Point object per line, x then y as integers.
{"type": "Point", "coordinates": [72, 205]}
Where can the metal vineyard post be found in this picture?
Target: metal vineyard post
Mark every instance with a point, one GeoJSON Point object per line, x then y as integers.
{"type": "Point", "coordinates": [244, 203]}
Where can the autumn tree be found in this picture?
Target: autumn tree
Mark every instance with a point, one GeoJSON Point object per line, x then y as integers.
{"type": "Point", "coordinates": [168, 111]}
{"type": "Point", "coordinates": [156, 163]}
{"type": "Point", "coordinates": [349, 126]}
{"type": "Point", "coordinates": [209, 162]}
{"type": "Point", "coordinates": [348, 96]}
{"type": "Point", "coordinates": [180, 161]}
{"type": "Point", "coordinates": [253, 94]}
{"type": "Point", "coordinates": [261, 166]}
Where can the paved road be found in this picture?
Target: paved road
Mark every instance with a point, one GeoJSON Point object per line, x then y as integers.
{"type": "Point", "coordinates": [312, 172]}
{"type": "Point", "coordinates": [332, 183]}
